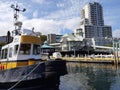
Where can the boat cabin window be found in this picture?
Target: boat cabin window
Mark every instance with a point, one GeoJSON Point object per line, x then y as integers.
{"type": "Point", "coordinates": [15, 49]}
{"type": "Point", "coordinates": [4, 53]}
{"type": "Point", "coordinates": [10, 52]}
{"type": "Point", "coordinates": [36, 49]}
{"type": "Point", "coordinates": [25, 49]}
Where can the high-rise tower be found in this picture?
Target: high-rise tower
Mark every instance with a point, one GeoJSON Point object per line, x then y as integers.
{"type": "Point", "coordinates": [92, 22]}
{"type": "Point", "coordinates": [93, 13]}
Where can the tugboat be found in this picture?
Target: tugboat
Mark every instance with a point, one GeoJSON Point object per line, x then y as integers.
{"type": "Point", "coordinates": [21, 66]}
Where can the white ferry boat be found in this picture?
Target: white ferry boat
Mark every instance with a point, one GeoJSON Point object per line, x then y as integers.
{"type": "Point", "coordinates": [21, 67]}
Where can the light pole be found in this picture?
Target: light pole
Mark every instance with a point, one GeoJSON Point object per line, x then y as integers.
{"type": "Point", "coordinates": [115, 50]}
{"type": "Point", "coordinates": [88, 47]}
{"type": "Point", "coordinates": [74, 50]}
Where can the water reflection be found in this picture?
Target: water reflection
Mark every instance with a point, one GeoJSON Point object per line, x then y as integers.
{"type": "Point", "coordinates": [91, 77]}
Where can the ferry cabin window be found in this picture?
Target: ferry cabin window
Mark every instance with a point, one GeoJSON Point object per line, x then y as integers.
{"type": "Point", "coordinates": [36, 49]}
{"type": "Point", "coordinates": [4, 53]}
{"type": "Point", "coordinates": [15, 49]}
{"type": "Point", "coordinates": [25, 49]}
{"type": "Point", "coordinates": [10, 52]}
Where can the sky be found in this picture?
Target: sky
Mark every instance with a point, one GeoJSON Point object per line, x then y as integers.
{"type": "Point", "coordinates": [55, 16]}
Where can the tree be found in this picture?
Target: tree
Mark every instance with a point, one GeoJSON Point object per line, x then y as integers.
{"type": "Point", "coordinates": [43, 38]}
{"type": "Point", "coordinates": [109, 45]}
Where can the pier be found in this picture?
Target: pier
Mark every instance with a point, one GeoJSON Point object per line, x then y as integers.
{"type": "Point", "coordinates": [95, 59]}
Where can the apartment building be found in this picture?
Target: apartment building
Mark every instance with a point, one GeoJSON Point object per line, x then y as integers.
{"type": "Point", "coordinates": [92, 22]}
{"type": "Point", "coordinates": [92, 31]}
{"type": "Point", "coordinates": [53, 38]}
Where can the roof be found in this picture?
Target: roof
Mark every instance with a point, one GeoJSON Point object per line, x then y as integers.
{"type": "Point", "coordinates": [46, 45]}
{"type": "Point", "coordinates": [72, 37]}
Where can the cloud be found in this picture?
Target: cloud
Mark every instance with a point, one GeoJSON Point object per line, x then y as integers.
{"type": "Point", "coordinates": [6, 20]}
{"type": "Point", "coordinates": [5, 11]}
{"type": "Point", "coordinates": [35, 14]}
{"type": "Point", "coordinates": [4, 27]}
{"type": "Point", "coordinates": [63, 15]}
{"type": "Point", "coordinates": [38, 1]}
{"type": "Point", "coordinates": [60, 4]}
{"type": "Point", "coordinates": [72, 23]}
{"type": "Point", "coordinates": [116, 33]}
{"type": "Point", "coordinates": [46, 26]}
{"type": "Point", "coordinates": [67, 9]}
{"type": "Point", "coordinates": [70, 9]}
{"type": "Point", "coordinates": [43, 26]}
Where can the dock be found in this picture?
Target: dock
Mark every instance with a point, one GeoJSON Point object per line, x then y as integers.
{"type": "Point", "coordinates": [91, 60]}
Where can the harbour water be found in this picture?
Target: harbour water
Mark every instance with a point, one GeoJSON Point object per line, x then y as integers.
{"type": "Point", "coordinates": [88, 76]}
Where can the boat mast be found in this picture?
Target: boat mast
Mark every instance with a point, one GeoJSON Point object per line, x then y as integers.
{"type": "Point", "coordinates": [17, 23]}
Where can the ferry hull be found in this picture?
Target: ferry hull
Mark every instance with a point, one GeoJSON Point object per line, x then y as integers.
{"type": "Point", "coordinates": [34, 84]}
{"type": "Point", "coordinates": [34, 77]}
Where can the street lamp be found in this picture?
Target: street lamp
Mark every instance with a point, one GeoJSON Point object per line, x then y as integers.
{"type": "Point", "coordinates": [74, 50]}
{"type": "Point", "coordinates": [115, 49]}
{"type": "Point", "coordinates": [88, 47]}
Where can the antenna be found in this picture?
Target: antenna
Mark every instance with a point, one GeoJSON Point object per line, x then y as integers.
{"type": "Point", "coordinates": [16, 11]}
{"type": "Point", "coordinates": [17, 23]}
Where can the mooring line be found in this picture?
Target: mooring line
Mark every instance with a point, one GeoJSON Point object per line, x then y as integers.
{"type": "Point", "coordinates": [23, 77]}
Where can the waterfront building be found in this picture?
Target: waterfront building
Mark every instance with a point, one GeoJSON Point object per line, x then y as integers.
{"type": "Point", "coordinates": [58, 38]}
{"type": "Point", "coordinates": [92, 31]}
{"type": "Point", "coordinates": [53, 38]}
{"type": "Point", "coordinates": [98, 41]}
{"type": "Point", "coordinates": [74, 41]}
{"type": "Point", "coordinates": [3, 39]}
{"type": "Point", "coordinates": [92, 23]}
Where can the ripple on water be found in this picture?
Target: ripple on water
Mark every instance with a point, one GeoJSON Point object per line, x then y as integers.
{"type": "Point", "coordinates": [76, 81]}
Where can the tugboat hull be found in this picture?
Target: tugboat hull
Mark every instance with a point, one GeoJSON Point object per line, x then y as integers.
{"type": "Point", "coordinates": [33, 77]}
{"type": "Point", "coordinates": [34, 84]}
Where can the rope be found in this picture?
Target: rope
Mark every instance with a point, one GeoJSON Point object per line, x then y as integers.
{"type": "Point", "coordinates": [23, 78]}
